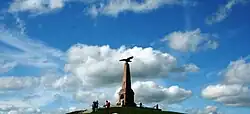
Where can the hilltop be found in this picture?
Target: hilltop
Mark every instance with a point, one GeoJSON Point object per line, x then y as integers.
{"type": "Point", "coordinates": [126, 110]}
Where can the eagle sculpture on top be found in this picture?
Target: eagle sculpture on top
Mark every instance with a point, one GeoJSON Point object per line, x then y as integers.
{"type": "Point", "coordinates": [127, 59]}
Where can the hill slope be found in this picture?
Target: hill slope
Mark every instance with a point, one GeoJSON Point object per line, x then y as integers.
{"type": "Point", "coordinates": [127, 110]}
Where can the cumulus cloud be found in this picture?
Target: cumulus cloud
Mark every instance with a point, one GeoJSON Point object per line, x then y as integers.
{"type": "Point", "coordinates": [206, 110]}
{"type": "Point", "coordinates": [150, 92]}
{"type": "Point", "coordinates": [86, 65]}
{"type": "Point", "coordinates": [190, 41]}
{"type": "Point", "coordinates": [99, 65]}
{"type": "Point", "coordinates": [224, 11]}
{"type": "Point", "coordinates": [231, 95]}
{"type": "Point", "coordinates": [238, 72]}
{"type": "Point", "coordinates": [234, 90]}
{"type": "Point", "coordinates": [115, 7]}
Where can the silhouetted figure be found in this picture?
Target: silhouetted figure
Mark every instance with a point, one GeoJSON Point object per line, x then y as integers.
{"type": "Point", "coordinates": [157, 107]}
{"type": "Point", "coordinates": [140, 105]}
{"type": "Point", "coordinates": [108, 105]}
{"type": "Point", "coordinates": [122, 102]}
{"type": "Point", "coordinates": [97, 103]}
{"type": "Point", "coordinates": [93, 106]}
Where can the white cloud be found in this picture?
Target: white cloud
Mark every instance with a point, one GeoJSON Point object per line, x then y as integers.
{"type": "Point", "coordinates": [158, 94]}
{"type": "Point", "coordinates": [16, 83]}
{"type": "Point", "coordinates": [150, 92]}
{"type": "Point", "coordinates": [224, 11]}
{"type": "Point", "coordinates": [36, 6]}
{"type": "Point", "coordinates": [68, 83]}
{"type": "Point", "coordinates": [34, 91]}
{"type": "Point", "coordinates": [41, 97]}
{"type": "Point", "coordinates": [26, 51]}
{"type": "Point", "coordinates": [42, 90]}
{"type": "Point", "coordinates": [231, 95]}
{"type": "Point", "coordinates": [190, 41]}
{"type": "Point", "coordinates": [97, 7]}
{"type": "Point", "coordinates": [238, 72]}
{"type": "Point", "coordinates": [90, 96]}
{"type": "Point", "coordinates": [187, 68]}
{"type": "Point", "coordinates": [6, 66]}
{"type": "Point", "coordinates": [206, 110]}
{"type": "Point", "coordinates": [20, 110]}
{"type": "Point", "coordinates": [235, 90]}
{"type": "Point", "coordinates": [99, 65]}
{"type": "Point", "coordinates": [11, 105]}
{"type": "Point", "coordinates": [114, 7]}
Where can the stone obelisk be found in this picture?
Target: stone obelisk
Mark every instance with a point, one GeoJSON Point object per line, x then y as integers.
{"type": "Point", "coordinates": [126, 94]}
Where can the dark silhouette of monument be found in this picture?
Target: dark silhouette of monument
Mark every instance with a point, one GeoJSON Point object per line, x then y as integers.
{"type": "Point", "coordinates": [126, 94]}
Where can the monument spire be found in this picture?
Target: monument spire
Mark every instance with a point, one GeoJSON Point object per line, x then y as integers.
{"type": "Point", "coordinates": [126, 94]}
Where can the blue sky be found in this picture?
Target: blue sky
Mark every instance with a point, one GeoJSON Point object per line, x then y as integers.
{"type": "Point", "coordinates": [60, 55]}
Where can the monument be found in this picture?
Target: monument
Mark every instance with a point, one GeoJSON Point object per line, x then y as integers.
{"type": "Point", "coordinates": [126, 94]}
{"type": "Point", "coordinates": [126, 99]}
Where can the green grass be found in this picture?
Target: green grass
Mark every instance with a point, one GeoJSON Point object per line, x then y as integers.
{"type": "Point", "coordinates": [129, 110]}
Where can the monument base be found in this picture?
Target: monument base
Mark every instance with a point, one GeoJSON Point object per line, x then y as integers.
{"type": "Point", "coordinates": [128, 110]}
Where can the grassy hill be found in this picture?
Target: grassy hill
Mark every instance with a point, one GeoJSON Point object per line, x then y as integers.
{"type": "Point", "coordinates": [126, 110]}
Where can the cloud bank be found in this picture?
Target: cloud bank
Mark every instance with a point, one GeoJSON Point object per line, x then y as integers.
{"type": "Point", "coordinates": [151, 92]}
{"type": "Point", "coordinates": [234, 91]}
{"type": "Point", "coordinates": [86, 66]}
{"type": "Point", "coordinates": [89, 64]}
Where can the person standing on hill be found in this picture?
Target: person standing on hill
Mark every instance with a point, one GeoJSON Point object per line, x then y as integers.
{"type": "Point", "coordinates": [93, 106]}
{"type": "Point", "coordinates": [107, 105]}
{"type": "Point", "coordinates": [157, 107]}
{"type": "Point", "coordinates": [97, 104]}
{"type": "Point", "coordinates": [140, 105]}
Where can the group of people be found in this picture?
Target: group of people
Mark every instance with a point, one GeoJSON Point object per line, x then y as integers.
{"type": "Point", "coordinates": [107, 105]}
{"type": "Point", "coordinates": [95, 105]}
{"type": "Point", "coordinates": [155, 107]}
